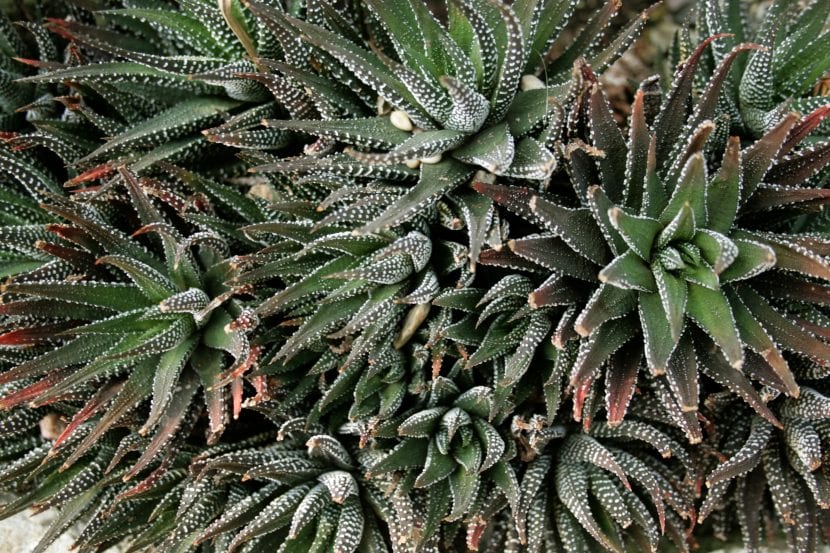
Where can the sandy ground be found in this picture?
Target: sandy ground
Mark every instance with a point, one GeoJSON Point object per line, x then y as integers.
{"type": "Point", "coordinates": [20, 533]}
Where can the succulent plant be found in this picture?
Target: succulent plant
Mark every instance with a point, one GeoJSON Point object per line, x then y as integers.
{"type": "Point", "coordinates": [756, 458]}
{"type": "Point", "coordinates": [600, 483]}
{"type": "Point", "coordinates": [673, 257]}
{"type": "Point", "coordinates": [162, 334]}
{"type": "Point", "coordinates": [784, 74]}
{"type": "Point", "coordinates": [452, 100]}
{"type": "Point", "coordinates": [361, 276]}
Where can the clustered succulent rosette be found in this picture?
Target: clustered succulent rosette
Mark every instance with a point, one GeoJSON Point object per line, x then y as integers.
{"type": "Point", "coordinates": [678, 257]}
{"type": "Point", "coordinates": [786, 73]}
{"type": "Point", "coordinates": [309, 276]}
{"type": "Point", "coordinates": [762, 477]}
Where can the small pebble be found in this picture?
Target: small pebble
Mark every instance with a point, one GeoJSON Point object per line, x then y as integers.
{"type": "Point", "coordinates": [531, 82]}
{"type": "Point", "coordinates": [432, 160]}
{"type": "Point", "coordinates": [401, 120]}
{"type": "Point", "coordinates": [51, 426]}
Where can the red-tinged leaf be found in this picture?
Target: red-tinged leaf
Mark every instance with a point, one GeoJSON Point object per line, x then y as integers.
{"type": "Point", "coordinates": [707, 104]}
{"type": "Point", "coordinates": [784, 331]}
{"type": "Point", "coordinates": [556, 290]}
{"type": "Point", "coordinates": [112, 240]}
{"type": "Point", "coordinates": [136, 388]}
{"type": "Point", "coordinates": [101, 398]}
{"type": "Point", "coordinates": [599, 346]}
{"type": "Point", "coordinates": [81, 260]}
{"type": "Point", "coordinates": [45, 308]}
{"type": "Point", "coordinates": [74, 235]}
{"type": "Point", "coordinates": [506, 258]}
{"type": "Point", "coordinates": [715, 367]}
{"type": "Point", "coordinates": [758, 339]}
{"type": "Point", "coordinates": [759, 370]}
{"type": "Point", "coordinates": [815, 243]}
{"type": "Point", "coordinates": [580, 394]}
{"type": "Point", "coordinates": [772, 197]}
{"type": "Point", "coordinates": [31, 391]}
{"type": "Point", "coordinates": [758, 157]}
{"type": "Point", "coordinates": [802, 130]}
{"type": "Point", "coordinates": [817, 329]}
{"type": "Point", "coordinates": [638, 143]}
{"type": "Point", "coordinates": [606, 304]}
{"type": "Point", "coordinates": [796, 289]}
{"type": "Point", "coordinates": [576, 227]}
{"type": "Point", "coordinates": [672, 118]}
{"type": "Point", "coordinates": [242, 364]}
{"type": "Point", "coordinates": [515, 198]}
{"type": "Point", "coordinates": [621, 381]}
{"type": "Point", "coordinates": [34, 335]}
{"type": "Point", "coordinates": [799, 167]}
{"type": "Point", "coordinates": [236, 397]}
{"type": "Point", "coordinates": [554, 254]}
{"type": "Point", "coordinates": [146, 485]}
{"type": "Point", "coordinates": [97, 172]}
{"type": "Point", "coordinates": [171, 421]}
{"type": "Point", "coordinates": [141, 203]}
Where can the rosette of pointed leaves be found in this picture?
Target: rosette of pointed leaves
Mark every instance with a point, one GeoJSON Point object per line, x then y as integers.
{"type": "Point", "coordinates": [132, 324]}
{"type": "Point", "coordinates": [785, 74]}
{"type": "Point", "coordinates": [603, 488]}
{"type": "Point", "coordinates": [187, 46]}
{"type": "Point", "coordinates": [347, 305]}
{"type": "Point", "coordinates": [165, 508]}
{"type": "Point", "coordinates": [309, 500]}
{"type": "Point", "coordinates": [673, 255]}
{"type": "Point", "coordinates": [766, 481]}
{"type": "Point", "coordinates": [151, 79]}
{"type": "Point", "coordinates": [459, 100]}
{"type": "Point", "coordinates": [454, 453]}
{"type": "Point", "coordinates": [493, 330]}
{"type": "Point", "coordinates": [17, 56]}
